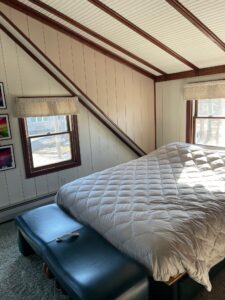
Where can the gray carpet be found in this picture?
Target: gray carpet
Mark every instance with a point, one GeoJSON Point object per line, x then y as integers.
{"type": "Point", "coordinates": [21, 278]}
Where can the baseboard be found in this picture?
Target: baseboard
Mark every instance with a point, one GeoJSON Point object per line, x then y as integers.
{"type": "Point", "coordinates": [9, 213]}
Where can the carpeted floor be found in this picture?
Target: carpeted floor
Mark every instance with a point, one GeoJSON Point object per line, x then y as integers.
{"type": "Point", "coordinates": [21, 278]}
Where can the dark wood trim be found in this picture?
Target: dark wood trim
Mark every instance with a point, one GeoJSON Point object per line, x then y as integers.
{"type": "Point", "coordinates": [65, 30]}
{"type": "Point", "coordinates": [30, 170]}
{"type": "Point", "coordinates": [189, 121]}
{"type": "Point", "coordinates": [197, 23]}
{"type": "Point", "coordinates": [188, 74]}
{"type": "Point", "coordinates": [75, 23]}
{"type": "Point", "coordinates": [155, 114]}
{"type": "Point", "coordinates": [141, 32]}
{"type": "Point", "coordinates": [110, 125]}
{"type": "Point", "coordinates": [194, 114]}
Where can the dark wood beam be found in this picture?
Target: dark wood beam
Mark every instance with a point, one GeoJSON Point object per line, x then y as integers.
{"type": "Point", "coordinates": [196, 22]}
{"type": "Point", "coordinates": [65, 30]}
{"type": "Point", "coordinates": [75, 23]}
{"type": "Point", "coordinates": [188, 74]}
{"type": "Point", "coordinates": [67, 83]}
{"type": "Point", "coordinates": [141, 32]}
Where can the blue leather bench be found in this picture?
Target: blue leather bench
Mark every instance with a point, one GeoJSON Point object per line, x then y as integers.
{"type": "Point", "coordinates": [85, 264]}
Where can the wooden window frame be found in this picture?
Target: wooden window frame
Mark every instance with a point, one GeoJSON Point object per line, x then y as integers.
{"type": "Point", "coordinates": [191, 116]}
{"type": "Point", "coordinates": [189, 122]}
{"type": "Point", "coordinates": [75, 161]}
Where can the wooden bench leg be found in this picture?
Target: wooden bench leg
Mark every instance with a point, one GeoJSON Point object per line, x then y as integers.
{"type": "Point", "coordinates": [47, 272]}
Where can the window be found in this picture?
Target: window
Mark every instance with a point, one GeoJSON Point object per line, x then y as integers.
{"type": "Point", "coordinates": [50, 143]}
{"type": "Point", "coordinates": [206, 122]}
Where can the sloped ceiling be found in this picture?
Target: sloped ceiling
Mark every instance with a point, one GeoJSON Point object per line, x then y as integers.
{"type": "Point", "coordinates": [161, 36]}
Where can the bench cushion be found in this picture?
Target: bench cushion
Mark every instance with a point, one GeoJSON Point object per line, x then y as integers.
{"type": "Point", "coordinates": [88, 266]}
{"type": "Point", "coordinates": [92, 266]}
{"type": "Point", "coordinates": [44, 224]}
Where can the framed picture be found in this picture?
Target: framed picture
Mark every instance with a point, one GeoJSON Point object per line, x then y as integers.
{"type": "Point", "coordinates": [5, 132]}
{"type": "Point", "coordinates": [2, 96]}
{"type": "Point", "coordinates": [7, 160]}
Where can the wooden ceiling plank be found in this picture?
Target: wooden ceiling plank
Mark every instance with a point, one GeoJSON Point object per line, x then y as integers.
{"type": "Point", "coordinates": [196, 22]}
{"type": "Point", "coordinates": [75, 23]}
{"type": "Point", "coordinates": [58, 26]}
{"type": "Point", "coordinates": [141, 32]}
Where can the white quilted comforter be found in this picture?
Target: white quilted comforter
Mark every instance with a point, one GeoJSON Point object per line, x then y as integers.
{"type": "Point", "coordinates": [165, 209]}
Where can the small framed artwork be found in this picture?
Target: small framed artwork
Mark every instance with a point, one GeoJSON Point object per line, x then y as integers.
{"type": "Point", "coordinates": [5, 132]}
{"type": "Point", "coordinates": [2, 96]}
{"type": "Point", "coordinates": [7, 160]}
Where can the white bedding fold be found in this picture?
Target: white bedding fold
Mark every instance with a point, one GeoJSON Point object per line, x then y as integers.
{"type": "Point", "coordinates": [165, 209]}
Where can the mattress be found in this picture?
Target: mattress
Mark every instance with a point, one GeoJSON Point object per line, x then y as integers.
{"type": "Point", "coordinates": [165, 209]}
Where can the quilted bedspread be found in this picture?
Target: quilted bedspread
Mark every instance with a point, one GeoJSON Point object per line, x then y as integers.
{"type": "Point", "coordinates": [165, 209]}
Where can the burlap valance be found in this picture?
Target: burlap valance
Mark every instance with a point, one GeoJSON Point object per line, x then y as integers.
{"type": "Point", "coordinates": [45, 106]}
{"type": "Point", "coordinates": [205, 90]}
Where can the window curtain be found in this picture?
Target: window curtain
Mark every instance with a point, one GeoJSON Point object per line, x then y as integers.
{"type": "Point", "coordinates": [205, 90]}
{"type": "Point", "coordinates": [45, 106]}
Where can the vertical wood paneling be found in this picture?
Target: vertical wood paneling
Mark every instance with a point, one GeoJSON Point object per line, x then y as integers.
{"type": "Point", "coordinates": [52, 182]}
{"type": "Point", "coordinates": [138, 102]}
{"type": "Point", "coordinates": [36, 33]}
{"type": "Point", "coordinates": [41, 185]}
{"type": "Point", "coordinates": [99, 147]}
{"type": "Point", "coordinates": [84, 138]}
{"type": "Point", "coordinates": [29, 188]}
{"type": "Point", "coordinates": [111, 88]}
{"type": "Point", "coordinates": [51, 44]}
{"type": "Point", "coordinates": [159, 113]}
{"type": "Point", "coordinates": [65, 55]}
{"type": "Point", "coordinates": [10, 64]}
{"type": "Point", "coordinates": [90, 73]}
{"type": "Point", "coordinates": [78, 63]}
{"type": "Point", "coordinates": [146, 106]}
{"type": "Point", "coordinates": [101, 83]}
{"type": "Point", "coordinates": [90, 69]}
{"type": "Point", "coordinates": [6, 10]}
{"type": "Point", "coordinates": [120, 95]}
{"type": "Point", "coordinates": [3, 183]}
{"type": "Point", "coordinates": [4, 190]}
{"type": "Point", "coordinates": [20, 20]}
{"type": "Point", "coordinates": [129, 102]}
{"type": "Point", "coordinates": [149, 107]}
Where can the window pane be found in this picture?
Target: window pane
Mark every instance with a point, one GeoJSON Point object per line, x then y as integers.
{"type": "Point", "coordinates": [51, 149]}
{"type": "Point", "coordinates": [215, 108]}
{"type": "Point", "coordinates": [210, 132]}
{"type": "Point", "coordinates": [46, 125]}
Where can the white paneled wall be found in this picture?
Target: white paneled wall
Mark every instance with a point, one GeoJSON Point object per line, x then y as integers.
{"type": "Point", "coordinates": [171, 109]}
{"type": "Point", "coordinates": [124, 95]}
{"type": "Point", "coordinates": [100, 149]}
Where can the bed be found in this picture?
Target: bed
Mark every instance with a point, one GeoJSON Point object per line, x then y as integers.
{"type": "Point", "coordinates": [165, 209]}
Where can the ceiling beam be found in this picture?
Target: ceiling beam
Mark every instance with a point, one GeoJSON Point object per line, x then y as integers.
{"type": "Point", "coordinates": [65, 30]}
{"type": "Point", "coordinates": [30, 48]}
{"type": "Point", "coordinates": [196, 22]}
{"type": "Point", "coordinates": [192, 73]}
{"type": "Point", "coordinates": [141, 32]}
{"type": "Point", "coordinates": [75, 23]}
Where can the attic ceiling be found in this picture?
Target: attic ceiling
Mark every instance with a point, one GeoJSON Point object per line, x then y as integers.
{"type": "Point", "coordinates": [160, 36]}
